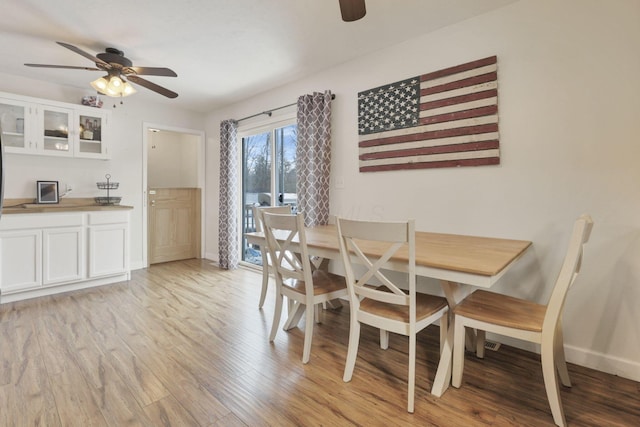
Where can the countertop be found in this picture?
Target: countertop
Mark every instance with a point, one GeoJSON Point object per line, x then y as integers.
{"type": "Point", "coordinates": [26, 206]}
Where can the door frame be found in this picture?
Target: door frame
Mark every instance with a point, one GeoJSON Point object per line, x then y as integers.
{"type": "Point", "coordinates": [146, 128]}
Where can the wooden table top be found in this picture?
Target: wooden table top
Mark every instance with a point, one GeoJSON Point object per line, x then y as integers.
{"type": "Point", "coordinates": [485, 256]}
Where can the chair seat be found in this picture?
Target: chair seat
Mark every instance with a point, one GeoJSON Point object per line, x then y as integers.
{"type": "Point", "coordinates": [426, 305]}
{"type": "Point", "coordinates": [323, 283]}
{"type": "Point", "coordinates": [502, 310]}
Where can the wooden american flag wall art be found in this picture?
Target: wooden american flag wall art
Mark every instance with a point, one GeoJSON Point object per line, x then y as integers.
{"type": "Point", "coordinates": [446, 118]}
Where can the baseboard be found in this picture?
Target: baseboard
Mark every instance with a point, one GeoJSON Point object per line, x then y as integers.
{"type": "Point", "coordinates": [602, 362]}
{"type": "Point", "coordinates": [56, 289]}
{"type": "Point", "coordinates": [137, 265]}
{"type": "Point", "coordinates": [624, 368]}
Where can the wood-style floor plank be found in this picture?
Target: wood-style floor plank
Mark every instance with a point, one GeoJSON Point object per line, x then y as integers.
{"type": "Point", "coordinates": [184, 344]}
{"type": "Point", "coordinates": [168, 412]}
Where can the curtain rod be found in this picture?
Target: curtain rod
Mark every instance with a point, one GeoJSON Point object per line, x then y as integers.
{"type": "Point", "coordinates": [268, 112]}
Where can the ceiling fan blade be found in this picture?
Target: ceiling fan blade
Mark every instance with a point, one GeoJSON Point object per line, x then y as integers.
{"type": "Point", "coordinates": [352, 10]}
{"type": "Point", "coordinates": [152, 86]}
{"type": "Point", "coordinates": [150, 71]}
{"type": "Point", "coordinates": [63, 66]}
{"type": "Point", "coordinates": [85, 54]}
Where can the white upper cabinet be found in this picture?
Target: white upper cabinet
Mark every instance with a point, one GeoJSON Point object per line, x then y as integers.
{"type": "Point", "coordinates": [15, 120]}
{"type": "Point", "coordinates": [54, 129]}
{"type": "Point", "coordinates": [93, 128]}
{"type": "Point", "coordinates": [35, 126]}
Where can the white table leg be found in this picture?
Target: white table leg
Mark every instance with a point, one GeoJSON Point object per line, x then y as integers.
{"type": "Point", "coordinates": [454, 292]}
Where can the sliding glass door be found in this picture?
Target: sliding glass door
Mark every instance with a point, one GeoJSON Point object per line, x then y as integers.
{"type": "Point", "coordinates": [268, 176]}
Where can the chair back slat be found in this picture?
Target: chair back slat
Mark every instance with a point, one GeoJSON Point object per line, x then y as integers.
{"type": "Point", "coordinates": [356, 238]}
{"type": "Point", "coordinates": [373, 268]}
{"type": "Point", "coordinates": [282, 231]}
{"type": "Point", "coordinates": [569, 271]}
{"type": "Point", "coordinates": [388, 297]}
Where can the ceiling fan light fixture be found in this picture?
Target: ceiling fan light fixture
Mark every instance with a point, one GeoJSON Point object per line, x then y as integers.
{"type": "Point", "coordinates": [114, 86]}
{"type": "Point", "coordinates": [110, 91]}
{"type": "Point", "coordinates": [127, 89]}
{"type": "Point", "coordinates": [115, 81]}
{"type": "Point", "coordinates": [100, 84]}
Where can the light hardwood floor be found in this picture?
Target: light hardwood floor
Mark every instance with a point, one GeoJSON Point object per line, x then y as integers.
{"type": "Point", "coordinates": [184, 344]}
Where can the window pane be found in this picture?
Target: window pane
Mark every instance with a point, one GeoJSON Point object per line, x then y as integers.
{"type": "Point", "coordinates": [286, 139]}
{"type": "Point", "coordinates": [256, 182]}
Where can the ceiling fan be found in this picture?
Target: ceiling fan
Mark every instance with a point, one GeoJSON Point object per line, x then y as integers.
{"type": "Point", "coordinates": [352, 10]}
{"type": "Point", "coordinates": [120, 71]}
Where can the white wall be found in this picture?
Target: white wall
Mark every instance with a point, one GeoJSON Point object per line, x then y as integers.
{"type": "Point", "coordinates": [172, 160]}
{"type": "Point", "coordinates": [569, 98]}
{"type": "Point", "coordinates": [125, 165]}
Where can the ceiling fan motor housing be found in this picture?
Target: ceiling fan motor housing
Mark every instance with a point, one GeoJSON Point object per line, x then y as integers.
{"type": "Point", "coordinates": [114, 56]}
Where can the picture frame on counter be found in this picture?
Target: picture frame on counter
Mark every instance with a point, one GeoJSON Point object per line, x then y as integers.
{"type": "Point", "coordinates": [47, 192]}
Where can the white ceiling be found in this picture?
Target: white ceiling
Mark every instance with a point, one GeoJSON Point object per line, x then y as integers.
{"type": "Point", "coordinates": [222, 50]}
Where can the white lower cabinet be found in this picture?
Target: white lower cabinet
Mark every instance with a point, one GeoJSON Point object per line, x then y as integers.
{"type": "Point", "coordinates": [45, 253]}
{"type": "Point", "coordinates": [63, 255]}
{"type": "Point", "coordinates": [108, 244]}
{"type": "Point", "coordinates": [20, 260]}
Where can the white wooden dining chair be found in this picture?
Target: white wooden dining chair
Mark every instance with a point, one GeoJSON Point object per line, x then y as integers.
{"type": "Point", "coordinates": [527, 320]}
{"type": "Point", "coordinates": [264, 253]}
{"type": "Point", "coordinates": [297, 278]}
{"type": "Point", "coordinates": [385, 305]}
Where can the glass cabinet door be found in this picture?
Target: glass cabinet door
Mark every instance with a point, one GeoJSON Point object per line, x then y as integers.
{"type": "Point", "coordinates": [57, 122]}
{"type": "Point", "coordinates": [12, 125]}
{"type": "Point", "coordinates": [90, 132]}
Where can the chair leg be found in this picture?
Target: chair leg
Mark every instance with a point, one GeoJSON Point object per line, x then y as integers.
{"type": "Point", "coordinates": [265, 282]}
{"type": "Point", "coordinates": [277, 312]}
{"type": "Point", "coordinates": [384, 339]}
{"type": "Point", "coordinates": [412, 373]}
{"type": "Point", "coordinates": [481, 337]}
{"type": "Point", "coordinates": [551, 384]}
{"type": "Point", "coordinates": [561, 362]}
{"type": "Point", "coordinates": [458, 352]}
{"type": "Point", "coordinates": [352, 351]}
{"type": "Point", "coordinates": [308, 333]}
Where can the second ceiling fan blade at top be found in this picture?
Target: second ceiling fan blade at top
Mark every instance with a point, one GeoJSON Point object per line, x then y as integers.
{"type": "Point", "coordinates": [352, 10]}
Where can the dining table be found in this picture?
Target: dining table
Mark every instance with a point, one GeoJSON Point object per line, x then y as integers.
{"type": "Point", "coordinates": [460, 263]}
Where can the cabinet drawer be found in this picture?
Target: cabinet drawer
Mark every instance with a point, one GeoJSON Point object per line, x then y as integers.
{"type": "Point", "coordinates": [37, 220]}
{"type": "Point", "coordinates": [98, 218]}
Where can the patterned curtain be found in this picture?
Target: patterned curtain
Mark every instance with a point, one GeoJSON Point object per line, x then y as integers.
{"type": "Point", "coordinates": [228, 221]}
{"type": "Point", "coordinates": [313, 157]}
